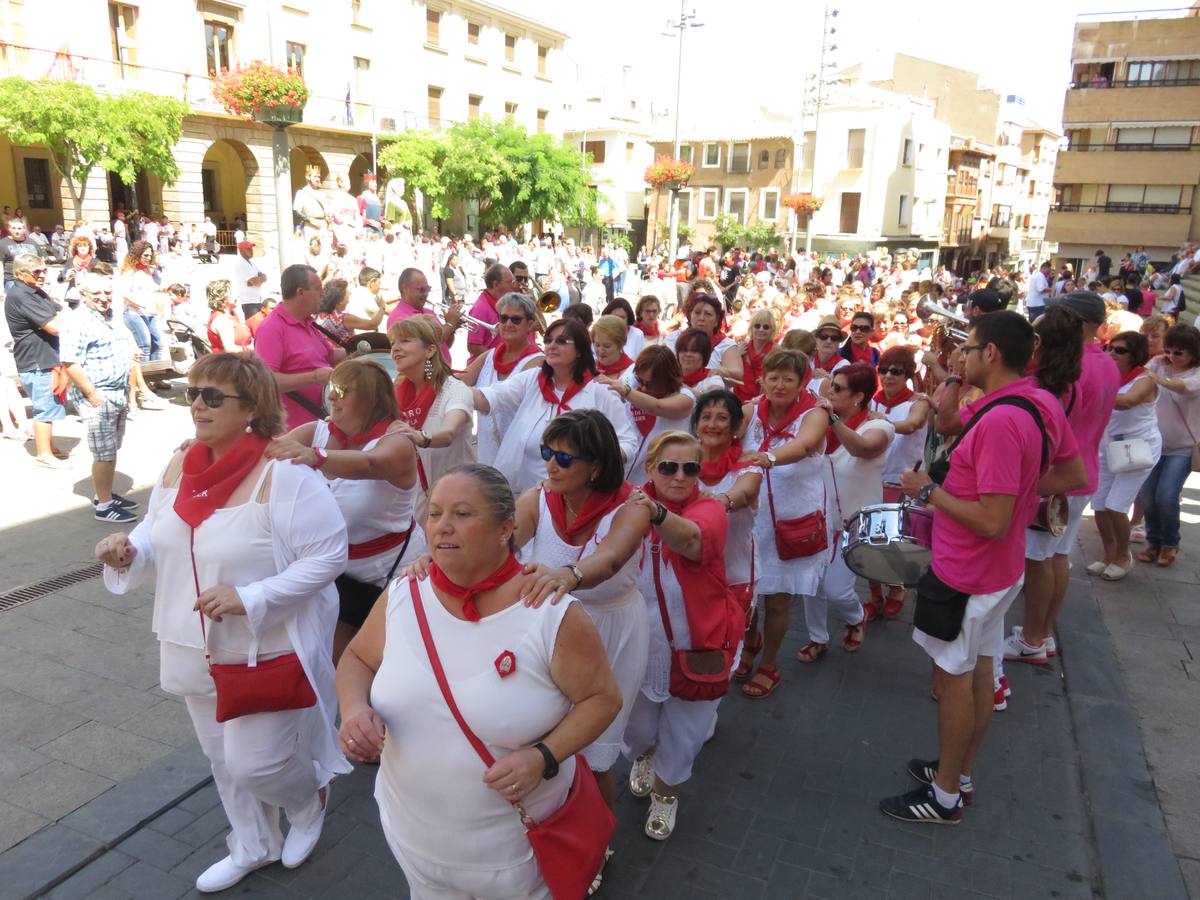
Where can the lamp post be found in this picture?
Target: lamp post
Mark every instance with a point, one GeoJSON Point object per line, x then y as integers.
{"type": "Point", "coordinates": [685, 21]}
{"type": "Point", "coordinates": [281, 166]}
{"type": "Point", "coordinates": [827, 33]}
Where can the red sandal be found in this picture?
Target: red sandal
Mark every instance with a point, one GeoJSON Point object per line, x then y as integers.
{"type": "Point", "coordinates": [811, 652]}
{"type": "Point", "coordinates": [756, 691]}
{"type": "Point", "coordinates": [854, 636]}
{"type": "Point", "coordinates": [746, 667]}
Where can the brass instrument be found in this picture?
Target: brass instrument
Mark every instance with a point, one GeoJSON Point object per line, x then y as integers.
{"type": "Point", "coordinates": [927, 308]}
{"type": "Point", "coordinates": [468, 318]}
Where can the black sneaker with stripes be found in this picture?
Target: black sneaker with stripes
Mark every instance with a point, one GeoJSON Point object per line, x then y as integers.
{"type": "Point", "coordinates": [921, 805]}
{"type": "Point", "coordinates": [925, 770]}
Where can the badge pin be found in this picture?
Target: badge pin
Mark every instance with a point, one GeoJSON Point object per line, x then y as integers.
{"type": "Point", "coordinates": [506, 663]}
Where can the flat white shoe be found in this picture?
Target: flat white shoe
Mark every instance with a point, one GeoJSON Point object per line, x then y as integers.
{"type": "Point", "coordinates": [661, 820]}
{"type": "Point", "coordinates": [225, 874]}
{"type": "Point", "coordinates": [641, 776]}
{"type": "Point", "coordinates": [301, 842]}
{"type": "Point", "coordinates": [1097, 567]}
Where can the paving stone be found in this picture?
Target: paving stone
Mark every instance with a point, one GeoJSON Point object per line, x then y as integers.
{"type": "Point", "coordinates": [16, 824]}
{"type": "Point", "coordinates": [55, 789]}
{"type": "Point", "coordinates": [166, 722]}
{"type": "Point", "coordinates": [1137, 862]}
{"type": "Point", "coordinates": [142, 881]}
{"type": "Point", "coordinates": [106, 751]}
{"type": "Point", "coordinates": [204, 828]}
{"type": "Point", "coordinates": [32, 723]}
{"type": "Point", "coordinates": [16, 761]}
{"type": "Point", "coordinates": [84, 884]}
{"type": "Point", "coordinates": [157, 849]}
{"type": "Point", "coordinates": [172, 821]}
{"type": "Point", "coordinates": [43, 858]}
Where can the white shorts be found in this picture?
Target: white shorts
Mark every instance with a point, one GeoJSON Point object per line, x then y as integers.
{"type": "Point", "coordinates": [982, 632]}
{"type": "Point", "coordinates": [1041, 545]}
{"type": "Point", "coordinates": [1116, 493]}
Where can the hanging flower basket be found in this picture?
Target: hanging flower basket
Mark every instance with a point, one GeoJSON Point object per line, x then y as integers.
{"type": "Point", "coordinates": [668, 173]}
{"type": "Point", "coordinates": [261, 93]}
{"type": "Point", "coordinates": [802, 204]}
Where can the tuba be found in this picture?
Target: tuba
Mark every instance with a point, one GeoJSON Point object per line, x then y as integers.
{"type": "Point", "coordinates": [927, 309]}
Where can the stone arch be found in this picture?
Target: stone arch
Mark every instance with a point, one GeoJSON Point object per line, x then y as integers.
{"type": "Point", "coordinates": [359, 166]}
{"type": "Point", "coordinates": [301, 157]}
{"type": "Point", "coordinates": [226, 172]}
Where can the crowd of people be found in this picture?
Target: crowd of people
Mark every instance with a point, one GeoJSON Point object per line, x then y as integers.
{"type": "Point", "coordinates": [493, 563]}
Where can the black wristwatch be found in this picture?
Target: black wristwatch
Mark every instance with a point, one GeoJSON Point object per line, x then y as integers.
{"type": "Point", "coordinates": [659, 517]}
{"type": "Point", "coordinates": [926, 492]}
{"type": "Point", "coordinates": [551, 768]}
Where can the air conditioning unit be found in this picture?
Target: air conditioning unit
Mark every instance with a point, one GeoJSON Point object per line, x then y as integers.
{"type": "Point", "coordinates": [387, 124]}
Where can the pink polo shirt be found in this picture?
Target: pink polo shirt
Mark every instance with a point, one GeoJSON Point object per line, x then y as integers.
{"type": "Point", "coordinates": [402, 311]}
{"type": "Point", "coordinates": [1095, 393]}
{"type": "Point", "coordinates": [484, 309]}
{"type": "Point", "coordinates": [288, 345]}
{"type": "Point", "coordinates": [1002, 454]}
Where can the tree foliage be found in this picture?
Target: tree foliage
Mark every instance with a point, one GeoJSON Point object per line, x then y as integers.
{"type": "Point", "coordinates": [132, 133]}
{"type": "Point", "coordinates": [729, 233]}
{"type": "Point", "coordinates": [516, 177]}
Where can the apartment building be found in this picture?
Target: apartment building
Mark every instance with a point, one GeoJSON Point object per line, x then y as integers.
{"type": "Point", "coordinates": [1131, 169]}
{"type": "Point", "coordinates": [372, 66]}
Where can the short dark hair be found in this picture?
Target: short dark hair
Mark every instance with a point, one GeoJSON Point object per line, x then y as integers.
{"type": "Point", "coordinates": [646, 300]}
{"type": "Point", "coordinates": [494, 275]}
{"type": "Point", "coordinates": [695, 339]}
{"type": "Point", "coordinates": [863, 314]}
{"type": "Point", "coordinates": [367, 275]}
{"type": "Point", "coordinates": [899, 356]}
{"type": "Point", "coordinates": [860, 379]}
{"type": "Point", "coordinates": [578, 333]}
{"type": "Point", "coordinates": [787, 361]}
{"type": "Point", "coordinates": [406, 276]}
{"type": "Point", "coordinates": [1139, 346]}
{"type": "Point", "coordinates": [1011, 333]}
{"type": "Point", "coordinates": [294, 279]}
{"type": "Point", "coordinates": [589, 433]}
{"type": "Point", "coordinates": [665, 377]}
{"type": "Point", "coordinates": [580, 312]}
{"type": "Point", "coordinates": [703, 297]}
{"type": "Point", "coordinates": [623, 305]}
{"type": "Point", "coordinates": [1186, 338]}
{"type": "Point", "coordinates": [719, 397]}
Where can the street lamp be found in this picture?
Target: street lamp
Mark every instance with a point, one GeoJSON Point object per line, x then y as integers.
{"type": "Point", "coordinates": [685, 21]}
{"type": "Point", "coordinates": [827, 46]}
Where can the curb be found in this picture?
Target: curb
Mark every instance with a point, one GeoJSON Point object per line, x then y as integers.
{"type": "Point", "coordinates": [48, 857]}
{"type": "Point", "coordinates": [1133, 850]}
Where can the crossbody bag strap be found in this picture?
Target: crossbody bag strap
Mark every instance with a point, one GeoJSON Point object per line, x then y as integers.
{"type": "Point", "coordinates": [443, 685]}
{"type": "Point", "coordinates": [655, 554]}
{"type": "Point", "coordinates": [196, 581]}
{"type": "Point", "coordinates": [770, 496]}
{"type": "Point", "coordinates": [400, 555]}
{"type": "Point", "coordinates": [1182, 414]}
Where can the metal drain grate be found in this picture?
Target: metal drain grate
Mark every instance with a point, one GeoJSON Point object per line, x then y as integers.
{"type": "Point", "coordinates": [49, 586]}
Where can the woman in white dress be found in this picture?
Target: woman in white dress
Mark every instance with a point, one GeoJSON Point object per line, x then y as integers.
{"type": "Point", "coordinates": [909, 414]}
{"type": "Point", "coordinates": [434, 408]}
{"type": "Point", "coordinates": [244, 552]}
{"type": "Point", "coordinates": [565, 381]}
{"type": "Point", "coordinates": [532, 683]}
{"type": "Point", "coordinates": [856, 451]}
{"type": "Point", "coordinates": [1134, 416]}
{"type": "Point", "coordinates": [706, 312]}
{"type": "Point", "coordinates": [518, 353]}
{"type": "Point", "coordinates": [372, 476]}
{"type": "Point", "coordinates": [609, 334]}
{"type": "Point", "coordinates": [656, 402]}
{"type": "Point", "coordinates": [786, 438]}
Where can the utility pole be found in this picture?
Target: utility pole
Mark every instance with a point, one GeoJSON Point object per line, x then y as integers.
{"type": "Point", "coordinates": [281, 166]}
{"type": "Point", "coordinates": [827, 32]}
{"type": "Point", "coordinates": [686, 20]}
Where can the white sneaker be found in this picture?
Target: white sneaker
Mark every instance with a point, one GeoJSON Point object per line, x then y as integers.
{"type": "Point", "coordinates": [641, 776]}
{"type": "Point", "coordinates": [302, 840]}
{"type": "Point", "coordinates": [1050, 644]}
{"type": "Point", "coordinates": [225, 874]}
{"type": "Point", "coordinates": [1016, 650]}
{"type": "Point", "coordinates": [661, 820]}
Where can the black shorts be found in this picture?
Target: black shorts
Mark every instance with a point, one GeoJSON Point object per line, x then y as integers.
{"type": "Point", "coordinates": [355, 599]}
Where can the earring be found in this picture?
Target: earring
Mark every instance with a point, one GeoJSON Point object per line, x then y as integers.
{"type": "Point", "coordinates": [250, 426]}
{"type": "Point", "coordinates": [428, 369]}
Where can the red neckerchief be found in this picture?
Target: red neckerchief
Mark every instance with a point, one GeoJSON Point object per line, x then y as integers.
{"type": "Point", "coordinates": [546, 386]}
{"type": "Point", "coordinates": [696, 377]}
{"type": "Point", "coordinates": [205, 485]}
{"type": "Point", "coordinates": [827, 365]}
{"type": "Point", "coordinates": [642, 420]}
{"type": "Point", "coordinates": [712, 471]}
{"type": "Point", "coordinates": [1133, 373]}
{"type": "Point", "coordinates": [616, 368]}
{"type": "Point", "coordinates": [650, 331]}
{"type": "Point", "coordinates": [832, 441]}
{"type": "Point", "coordinates": [718, 336]}
{"type": "Point", "coordinates": [504, 369]}
{"type": "Point", "coordinates": [595, 508]}
{"type": "Point", "coordinates": [881, 398]}
{"type": "Point", "coordinates": [756, 359]}
{"type": "Point", "coordinates": [507, 571]}
{"type": "Point", "coordinates": [752, 369]}
{"type": "Point", "coordinates": [352, 441]}
{"type": "Point", "coordinates": [414, 407]}
{"type": "Point", "coordinates": [863, 355]}
{"type": "Point", "coordinates": [803, 404]}
{"type": "Point", "coordinates": [703, 580]}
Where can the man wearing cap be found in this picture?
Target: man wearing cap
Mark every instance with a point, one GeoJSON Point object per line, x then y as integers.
{"type": "Point", "coordinates": [1047, 558]}
{"type": "Point", "coordinates": [982, 302]}
{"type": "Point", "coordinates": [247, 279]}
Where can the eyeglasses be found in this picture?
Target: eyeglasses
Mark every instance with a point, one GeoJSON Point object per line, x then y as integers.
{"type": "Point", "coordinates": [1114, 348]}
{"type": "Point", "coordinates": [562, 457]}
{"type": "Point", "coordinates": [338, 390]}
{"type": "Point", "coordinates": [513, 320]}
{"type": "Point", "coordinates": [838, 388]}
{"type": "Point", "coordinates": [762, 326]}
{"type": "Point", "coordinates": [211, 396]}
{"type": "Point", "coordinates": [520, 278]}
{"type": "Point", "coordinates": [37, 271]}
{"type": "Point", "coordinates": [829, 337]}
{"type": "Point", "coordinates": [892, 370]}
{"type": "Point", "coordinates": [562, 341]}
{"type": "Point", "coordinates": [670, 468]}
{"type": "Point", "coordinates": [862, 329]}
{"type": "Point", "coordinates": [967, 348]}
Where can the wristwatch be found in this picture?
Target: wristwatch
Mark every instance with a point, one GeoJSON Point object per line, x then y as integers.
{"type": "Point", "coordinates": [926, 492]}
{"type": "Point", "coordinates": [770, 460]}
{"type": "Point", "coordinates": [551, 768]}
{"type": "Point", "coordinates": [322, 457]}
{"type": "Point", "coordinates": [660, 516]}
{"type": "Point", "coordinates": [952, 379]}
{"type": "Point", "coordinates": [834, 418]}
{"type": "Point", "coordinates": [578, 573]}
{"type": "Point", "coordinates": [428, 440]}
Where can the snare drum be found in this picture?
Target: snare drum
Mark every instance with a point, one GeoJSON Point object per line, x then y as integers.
{"type": "Point", "coordinates": [1053, 515]}
{"type": "Point", "coordinates": [890, 543]}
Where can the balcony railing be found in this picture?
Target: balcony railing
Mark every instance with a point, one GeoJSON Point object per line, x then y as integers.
{"type": "Point", "coordinates": [1098, 148]}
{"type": "Point", "coordinates": [1104, 83]}
{"type": "Point", "coordinates": [1121, 208]}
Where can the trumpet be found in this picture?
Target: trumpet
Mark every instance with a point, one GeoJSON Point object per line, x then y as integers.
{"type": "Point", "coordinates": [927, 308]}
{"type": "Point", "coordinates": [468, 318]}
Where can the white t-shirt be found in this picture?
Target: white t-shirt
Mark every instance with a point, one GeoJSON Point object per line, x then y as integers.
{"type": "Point", "coordinates": [1039, 290]}
{"type": "Point", "coordinates": [243, 271]}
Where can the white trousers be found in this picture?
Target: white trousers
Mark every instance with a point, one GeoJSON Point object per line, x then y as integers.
{"type": "Point", "coordinates": [675, 729]}
{"type": "Point", "coordinates": [258, 771]}
{"type": "Point", "coordinates": [835, 594]}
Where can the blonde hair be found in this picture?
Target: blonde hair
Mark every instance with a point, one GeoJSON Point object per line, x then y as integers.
{"type": "Point", "coordinates": [667, 439]}
{"type": "Point", "coordinates": [770, 316]}
{"type": "Point", "coordinates": [217, 293]}
{"type": "Point", "coordinates": [373, 383]}
{"type": "Point", "coordinates": [251, 378]}
{"type": "Point", "coordinates": [611, 327]}
{"type": "Point", "coordinates": [427, 330]}
{"type": "Point", "coordinates": [799, 339]}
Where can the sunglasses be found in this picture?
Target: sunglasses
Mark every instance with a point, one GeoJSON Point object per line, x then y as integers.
{"type": "Point", "coordinates": [829, 337]}
{"type": "Point", "coordinates": [520, 278]}
{"type": "Point", "coordinates": [338, 390]}
{"type": "Point", "coordinates": [838, 388]}
{"type": "Point", "coordinates": [762, 327]}
{"type": "Point", "coordinates": [862, 329]}
{"type": "Point", "coordinates": [211, 396]}
{"type": "Point", "coordinates": [669, 468]}
{"type": "Point", "coordinates": [513, 320]}
{"type": "Point", "coordinates": [892, 370]}
{"type": "Point", "coordinates": [561, 340]}
{"type": "Point", "coordinates": [1113, 348]}
{"type": "Point", "coordinates": [37, 271]}
{"type": "Point", "coordinates": [562, 457]}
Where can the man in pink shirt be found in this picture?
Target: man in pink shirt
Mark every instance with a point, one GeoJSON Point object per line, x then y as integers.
{"type": "Point", "coordinates": [497, 281]}
{"type": "Point", "coordinates": [1004, 460]}
{"type": "Point", "coordinates": [414, 290]}
{"type": "Point", "coordinates": [1047, 569]}
{"type": "Point", "coordinates": [300, 357]}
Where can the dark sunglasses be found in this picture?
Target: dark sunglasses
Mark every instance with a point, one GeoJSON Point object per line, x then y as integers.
{"type": "Point", "coordinates": [892, 370]}
{"type": "Point", "coordinates": [669, 468]}
{"type": "Point", "coordinates": [513, 320]}
{"type": "Point", "coordinates": [338, 390]}
{"type": "Point", "coordinates": [862, 329]}
{"type": "Point", "coordinates": [211, 396]}
{"type": "Point", "coordinates": [562, 457]}
{"type": "Point", "coordinates": [1175, 351]}
{"type": "Point", "coordinates": [1113, 348]}
{"type": "Point", "coordinates": [829, 337]}
{"type": "Point", "coordinates": [520, 278]}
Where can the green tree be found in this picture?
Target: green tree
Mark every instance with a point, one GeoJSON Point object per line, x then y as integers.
{"type": "Point", "coordinates": [135, 132]}
{"type": "Point", "coordinates": [761, 236]}
{"type": "Point", "coordinates": [727, 232]}
{"type": "Point", "coordinates": [418, 157]}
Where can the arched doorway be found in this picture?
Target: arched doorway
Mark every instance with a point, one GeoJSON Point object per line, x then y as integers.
{"type": "Point", "coordinates": [225, 175]}
{"type": "Point", "coordinates": [301, 157]}
{"type": "Point", "coordinates": [360, 165]}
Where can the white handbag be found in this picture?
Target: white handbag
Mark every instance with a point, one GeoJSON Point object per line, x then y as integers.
{"type": "Point", "coordinates": [1129, 455]}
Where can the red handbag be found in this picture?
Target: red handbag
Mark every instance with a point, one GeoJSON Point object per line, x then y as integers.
{"type": "Point", "coordinates": [242, 690]}
{"type": "Point", "coordinates": [695, 674]}
{"type": "Point", "coordinates": [797, 538]}
{"type": "Point", "coordinates": [569, 844]}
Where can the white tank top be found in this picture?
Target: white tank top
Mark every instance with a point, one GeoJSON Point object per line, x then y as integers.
{"type": "Point", "coordinates": [739, 545]}
{"type": "Point", "coordinates": [906, 449]}
{"type": "Point", "coordinates": [548, 548]}
{"type": "Point", "coordinates": [1139, 421]}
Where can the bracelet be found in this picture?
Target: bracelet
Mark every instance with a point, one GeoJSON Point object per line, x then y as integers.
{"type": "Point", "coordinates": [660, 516]}
{"type": "Point", "coordinates": [953, 379]}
